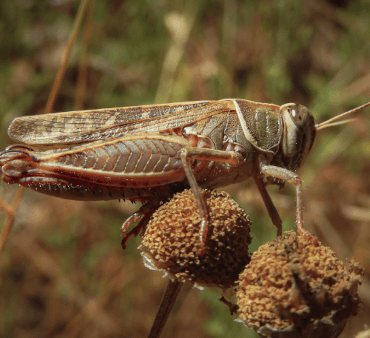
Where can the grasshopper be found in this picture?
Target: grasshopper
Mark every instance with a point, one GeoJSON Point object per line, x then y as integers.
{"type": "Point", "coordinates": [146, 152]}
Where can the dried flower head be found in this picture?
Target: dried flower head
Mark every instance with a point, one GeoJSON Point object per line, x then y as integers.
{"type": "Point", "coordinates": [171, 240]}
{"type": "Point", "coordinates": [293, 288]}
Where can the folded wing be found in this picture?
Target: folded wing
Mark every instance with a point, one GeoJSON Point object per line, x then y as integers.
{"type": "Point", "coordinates": [91, 125]}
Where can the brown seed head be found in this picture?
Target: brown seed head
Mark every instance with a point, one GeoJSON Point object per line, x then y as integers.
{"type": "Point", "coordinates": [292, 288]}
{"type": "Point", "coordinates": [171, 240]}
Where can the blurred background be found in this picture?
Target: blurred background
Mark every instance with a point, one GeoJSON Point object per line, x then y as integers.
{"type": "Point", "coordinates": [63, 271]}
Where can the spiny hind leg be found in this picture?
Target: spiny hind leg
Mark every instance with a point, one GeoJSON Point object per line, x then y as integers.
{"type": "Point", "coordinates": [188, 156]}
{"type": "Point", "coordinates": [143, 214]}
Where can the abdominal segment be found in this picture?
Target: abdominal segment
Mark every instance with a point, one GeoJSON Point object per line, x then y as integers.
{"type": "Point", "coordinates": [130, 168]}
{"type": "Point", "coordinates": [82, 191]}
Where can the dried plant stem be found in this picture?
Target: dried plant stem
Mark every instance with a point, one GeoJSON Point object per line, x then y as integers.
{"type": "Point", "coordinates": [84, 62]}
{"type": "Point", "coordinates": [10, 215]}
{"type": "Point", "coordinates": [168, 301]}
{"type": "Point", "coordinates": [62, 69]}
{"type": "Point", "coordinates": [180, 27]}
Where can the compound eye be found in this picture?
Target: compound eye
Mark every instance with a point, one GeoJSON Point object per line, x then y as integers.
{"type": "Point", "coordinates": [298, 114]}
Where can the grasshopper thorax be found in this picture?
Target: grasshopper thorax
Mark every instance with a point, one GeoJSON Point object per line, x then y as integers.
{"type": "Point", "coordinates": [298, 136]}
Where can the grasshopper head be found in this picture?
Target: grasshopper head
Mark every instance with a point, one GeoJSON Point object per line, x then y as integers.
{"type": "Point", "coordinates": [298, 135]}
{"type": "Point", "coordinates": [299, 131]}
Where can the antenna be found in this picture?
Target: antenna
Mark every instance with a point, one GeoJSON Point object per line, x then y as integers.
{"type": "Point", "coordinates": [329, 123]}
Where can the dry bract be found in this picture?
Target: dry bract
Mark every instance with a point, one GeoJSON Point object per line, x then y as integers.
{"type": "Point", "coordinates": [171, 240]}
{"type": "Point", "coordinates": [292, 288]}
